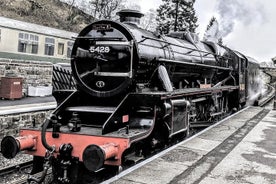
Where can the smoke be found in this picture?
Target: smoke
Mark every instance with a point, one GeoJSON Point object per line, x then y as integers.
{"type": "Point", "coordinates": [256, 88]}
{"type": "Point", "coordinates": [213, 33]}
{"type": "Point", "coordinates": [233, 11]}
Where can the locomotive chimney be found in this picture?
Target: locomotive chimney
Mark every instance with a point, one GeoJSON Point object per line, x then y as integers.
{"type": "Point", "coordinates": [130, 16]}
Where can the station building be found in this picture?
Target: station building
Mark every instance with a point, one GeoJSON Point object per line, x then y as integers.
{"type": "Point", "coordinates": [28, 41]}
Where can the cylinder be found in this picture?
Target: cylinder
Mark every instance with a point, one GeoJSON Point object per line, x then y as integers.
{"type": "Point", "coordinates": [10, 146]}
{"type": "Point", "coordinates": [94, 156]}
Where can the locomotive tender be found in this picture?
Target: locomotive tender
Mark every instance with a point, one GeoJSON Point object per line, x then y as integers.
{"type": "Point", "coordinates": [137, 90]}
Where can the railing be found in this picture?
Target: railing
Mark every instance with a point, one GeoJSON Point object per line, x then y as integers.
{"type": "Point", "coordinates": [62, 79]}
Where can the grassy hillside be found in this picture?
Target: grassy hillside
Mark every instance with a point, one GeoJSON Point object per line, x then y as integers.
{"type": "Point", "coordinates": [52, 13]}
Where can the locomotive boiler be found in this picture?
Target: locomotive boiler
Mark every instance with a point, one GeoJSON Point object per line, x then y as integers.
{"type": "Point", "coordinates": [136, 91]}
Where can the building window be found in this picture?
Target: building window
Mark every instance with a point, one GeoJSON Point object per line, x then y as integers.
{"type": "Point", "coordinates": [34, 44]}
{"type": "Point", "coordinates": [69, 48]}
{"type": "Point", "coordinates": [49, 46]}
{"type": "Point", "coordinates": [60, 48]}
{"type": "Point", "coordinates": [28, 43]}
{"type": "Point", "coordinates": [23, 42]}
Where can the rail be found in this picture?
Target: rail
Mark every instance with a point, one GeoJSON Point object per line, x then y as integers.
{"type": "Point", "coordinates": [194, 64]}
{"type": "Point", "coordinates": [270, 94]}
{"type": "Point", "coordinates": [14, 168]}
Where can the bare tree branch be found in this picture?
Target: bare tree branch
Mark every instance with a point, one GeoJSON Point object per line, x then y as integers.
{"type": "Point", "coordinates": [104, 9]}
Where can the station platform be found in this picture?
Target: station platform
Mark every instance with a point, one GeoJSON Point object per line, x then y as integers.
{"type": "Point", "coordinates": [27, 104]}
{"type": "Point", "coordinates": [239, 149]}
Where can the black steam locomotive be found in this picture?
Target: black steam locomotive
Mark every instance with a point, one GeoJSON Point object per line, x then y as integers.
{"type": "Point", "coordinates": [137, 90]}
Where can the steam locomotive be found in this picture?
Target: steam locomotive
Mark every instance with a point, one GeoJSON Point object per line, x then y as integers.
{"type": "Point", "coordinates": [137, 91]}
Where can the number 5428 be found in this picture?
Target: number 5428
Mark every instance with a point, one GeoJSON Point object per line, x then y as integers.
{"type": "Point", "coordinates": [99, 49]}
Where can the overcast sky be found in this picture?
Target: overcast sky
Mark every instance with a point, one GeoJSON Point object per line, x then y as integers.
{"type": "Point", "coordinates": [247, 25]}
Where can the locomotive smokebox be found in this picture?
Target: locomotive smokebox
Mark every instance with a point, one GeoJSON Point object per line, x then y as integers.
{"type": "Point", "coordinates": [130, 16]}
{"type": "Point", "coordinates": [94, 156]}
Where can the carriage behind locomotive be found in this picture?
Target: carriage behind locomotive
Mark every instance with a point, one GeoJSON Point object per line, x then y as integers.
{"type": "Point", "coordinates": [136, 91]}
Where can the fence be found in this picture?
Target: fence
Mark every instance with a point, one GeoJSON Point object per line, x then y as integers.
{"type": "Point", "coordinates": [62, 79]}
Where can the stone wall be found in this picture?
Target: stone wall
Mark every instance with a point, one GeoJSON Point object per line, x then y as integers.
{"type": "Point", "coordinates": [34, 73]}
{"type": "Point", "coordinates": [10, 124]}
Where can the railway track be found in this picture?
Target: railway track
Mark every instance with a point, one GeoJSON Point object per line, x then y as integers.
{"type": "Point", "coordinates": [24, 179]}
{"type": "Point", "coordinates": [20, 171]}
{"type": "Point", "coordinates": [114, 175]}
{"type": "Point", "coordinates": [15, 168]}
{"type": "Point", "coordinates": [15, 172]}
{"type": "Point", "coordinates": [267, 97]}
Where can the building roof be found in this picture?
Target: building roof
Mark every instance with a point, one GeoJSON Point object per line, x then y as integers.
{"type": "Point", "coordinates": [35, 28]}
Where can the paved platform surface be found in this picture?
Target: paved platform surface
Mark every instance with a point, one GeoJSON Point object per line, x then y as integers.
{"type": "Point", "coordinates": [241, 149]}
{"type": "Point", "coordinates": [27, 104]}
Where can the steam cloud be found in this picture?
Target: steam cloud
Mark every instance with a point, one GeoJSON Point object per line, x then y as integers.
{"type": "Point", "coordinates": [246, 12]}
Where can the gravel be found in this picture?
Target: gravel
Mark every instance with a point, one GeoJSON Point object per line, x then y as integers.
{"type": "Point", "coordinates": [4, 163]}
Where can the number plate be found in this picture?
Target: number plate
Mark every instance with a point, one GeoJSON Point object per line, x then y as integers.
{"type": "Point", "coordinates": [99, 49]}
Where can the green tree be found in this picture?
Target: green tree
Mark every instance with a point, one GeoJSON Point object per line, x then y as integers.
{"type": "Point", "coordinates": [176, 15]}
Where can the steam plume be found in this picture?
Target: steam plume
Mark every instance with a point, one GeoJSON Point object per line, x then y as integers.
{"type": "Point", "coordinates": [232, 11]}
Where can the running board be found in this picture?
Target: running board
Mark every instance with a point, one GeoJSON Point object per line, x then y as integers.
{"type": "Point", "coordinates": [94, 109]}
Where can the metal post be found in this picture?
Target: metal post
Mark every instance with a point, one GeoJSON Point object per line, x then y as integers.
{"type": "Point", "coordinates": [274, 105]}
